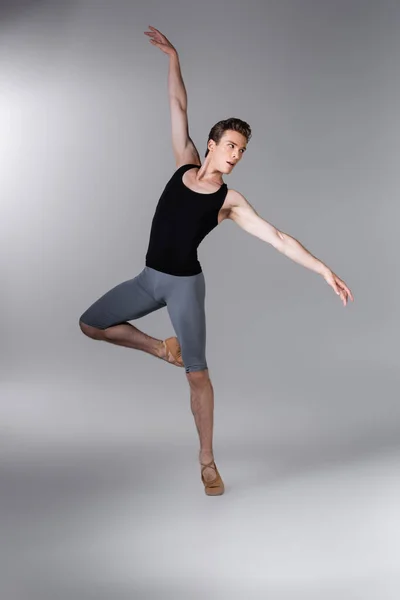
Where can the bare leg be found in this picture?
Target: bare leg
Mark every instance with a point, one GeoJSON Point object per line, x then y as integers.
{"type": "Point", "coordinates": [202, 405]}
{"type": "Point", "coordinates": [129, 336]}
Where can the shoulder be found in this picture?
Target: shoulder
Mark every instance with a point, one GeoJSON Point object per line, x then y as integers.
{"type": "Point", "coordinates": [234, 199]}
{"type": "Point", "coordinates": [187, 162]}
{"type": "Point", "coordinates": [181, 169]}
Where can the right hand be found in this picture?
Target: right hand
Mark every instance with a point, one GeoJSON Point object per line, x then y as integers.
{"type": "Point", "coordinates": [159, 40]}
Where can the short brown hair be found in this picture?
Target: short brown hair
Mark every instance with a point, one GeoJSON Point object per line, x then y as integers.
{"type": "Point", "coordinates": [233, 123]}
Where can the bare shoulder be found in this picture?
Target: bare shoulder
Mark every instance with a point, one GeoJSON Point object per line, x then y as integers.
{"type": "Point", "coordinates": [233, 199]}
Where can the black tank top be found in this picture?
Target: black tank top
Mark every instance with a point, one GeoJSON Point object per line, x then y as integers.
{"type": "Point", "coordinates": [181, 221]}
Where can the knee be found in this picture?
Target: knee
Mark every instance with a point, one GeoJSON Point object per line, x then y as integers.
{"type": "Point", "coordinates": [198, 380]}
{"type": "Point", "coordinates": [90, 331]}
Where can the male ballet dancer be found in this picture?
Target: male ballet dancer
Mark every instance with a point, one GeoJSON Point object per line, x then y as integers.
{"type": "Point", "coordinates": [194, 201]}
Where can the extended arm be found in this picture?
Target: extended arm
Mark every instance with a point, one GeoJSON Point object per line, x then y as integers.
{"type": "Point", "coordinates": [242, 213]}
{"type": "Point", "coordinates": [184, 149]}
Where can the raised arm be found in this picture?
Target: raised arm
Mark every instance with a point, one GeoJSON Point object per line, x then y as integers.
{"type": "Point", "coordinates": [242, 213]}
{"type": "Point", "coordinates": [184, 149]}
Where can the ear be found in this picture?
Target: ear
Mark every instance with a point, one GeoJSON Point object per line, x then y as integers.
{"type": "Point", "coordinates": [211, 145]}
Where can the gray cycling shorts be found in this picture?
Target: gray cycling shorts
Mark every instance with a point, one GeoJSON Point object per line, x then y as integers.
{"type": "Point", "coordinates": [151, 290]}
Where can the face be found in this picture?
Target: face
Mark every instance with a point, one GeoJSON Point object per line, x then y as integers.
{"type": "Point", "coordinates": [230, 149]}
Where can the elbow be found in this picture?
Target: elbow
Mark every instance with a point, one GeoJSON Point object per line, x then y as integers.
{"type": "Point", "coordinates": [279, 241]}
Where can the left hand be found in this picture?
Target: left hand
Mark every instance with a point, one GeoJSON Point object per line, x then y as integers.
{"type": "Point", "coordinates": [338, 285]}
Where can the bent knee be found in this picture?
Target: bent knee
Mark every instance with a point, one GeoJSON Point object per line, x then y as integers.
{"type": "Point", "coordinates": [92, 332]}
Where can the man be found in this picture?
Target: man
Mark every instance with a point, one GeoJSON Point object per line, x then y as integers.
{"type": "Point", "coordinates": [194, 201]}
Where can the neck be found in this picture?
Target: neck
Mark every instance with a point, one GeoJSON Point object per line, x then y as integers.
{"type": "Point", "coordinates": [207, 172]}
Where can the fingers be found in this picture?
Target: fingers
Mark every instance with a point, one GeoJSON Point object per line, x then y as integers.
{"type": "Point", "coordinates": [345, 289]}
{"type": "Point", "coordinates": [159, 40]}
{"type": "Point", "coordinates": [153, 40]}
{"type": "Point", "coordinates": [156, 34]}
{"type": "Point", "coordinates": [151, 35]}
{"type": "Point", "coordinates": [341, 289]}
{"type": "Point", "coordinates": [348, 291]}
{"type": "Point", "coordinates": [343, 296]}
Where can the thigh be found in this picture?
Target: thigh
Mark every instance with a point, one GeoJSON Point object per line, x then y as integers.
{"type": "Point", "coordinates": [186, 308]}
{"type": "Point", "coordinates": [127, 301]}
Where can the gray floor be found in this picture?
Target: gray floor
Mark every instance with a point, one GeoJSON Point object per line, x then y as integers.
{"type": "Point", "coordinates": [101, 495]}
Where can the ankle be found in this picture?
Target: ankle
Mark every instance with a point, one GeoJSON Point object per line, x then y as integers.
{"type": "Point", "coordinates": [160, 349]}
{"type": "Point", "coordinates": [206, 456]}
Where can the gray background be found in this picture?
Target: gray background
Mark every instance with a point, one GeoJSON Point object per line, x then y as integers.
{"type": "Point", "coordinates": [100, 488]}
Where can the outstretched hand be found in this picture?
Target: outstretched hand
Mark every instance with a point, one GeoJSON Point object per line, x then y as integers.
{"type": "Point", "coordinates": [339, 286]}
{"type": "Point", "coordinates": [159, 40]}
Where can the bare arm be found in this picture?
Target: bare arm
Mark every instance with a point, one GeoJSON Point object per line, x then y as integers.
{"type": "Point", "coordinates": [183, 146]}
{"type": "Point", "coordinates": [242, 213]}
{"type": "Point", "coordinates": [176, 86]}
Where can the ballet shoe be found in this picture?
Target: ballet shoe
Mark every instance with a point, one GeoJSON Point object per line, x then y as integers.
{"type": "Point", "coordinates": [214, 487]}
{"type": "Point", "coordinates": [173, 350]}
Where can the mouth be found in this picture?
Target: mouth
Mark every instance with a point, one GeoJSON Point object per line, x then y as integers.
{"type": "Point", "coordinates": [229, 163]}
